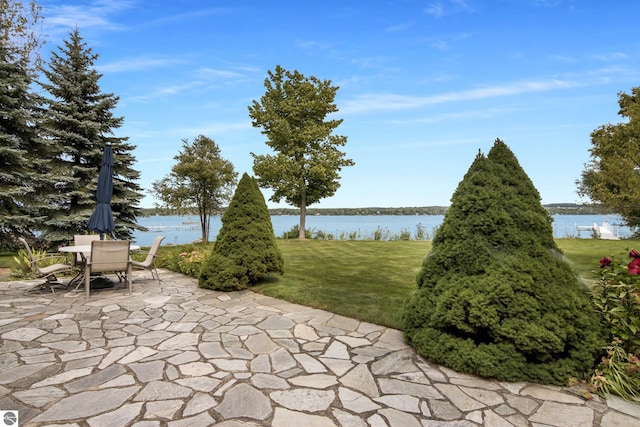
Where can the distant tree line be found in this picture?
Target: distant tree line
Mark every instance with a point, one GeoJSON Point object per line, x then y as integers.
{"type": "Point", "coordinates": [553, 209]}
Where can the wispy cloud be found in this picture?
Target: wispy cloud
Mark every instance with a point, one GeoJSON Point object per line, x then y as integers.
{"type": "Point", "coordinates": [462, 115]}
{"type": "Point", "coordinates": [179, 17]}
{"type": "Point", "coordinates": [218, 128]}
{"type": "Point", "coordinates": [399, 27]}
{"type": "Point", "coordinates": [167, 90]}
{"type": "Point", "coordinates": [218, 74]}
{"type": "Point", "coordinates": [606, 57]}
{"type": "Point", "coordinates": [442, 8]}
{"type": "Point", "coordinates": [390, 102]}
{"type": "Point", "coordinates": [95, 14]}
{"type": "Point", "coordinates": [143, 63]}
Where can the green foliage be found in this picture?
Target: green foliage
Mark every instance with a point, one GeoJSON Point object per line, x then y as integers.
{"type": "Point", "coordinates": [616, 296]}
{"type": "Point", "coordinates": [201, 180]}
{"type": "Point", "coordinates": [20, 22]}
{"type": "Point", "coordinates": [78, 123]}
{"type": "Point", "coordinates": [612, 177]}
{"type": "Point", "coordinates": [494, 295]}
{"type": "Point", "coordinates": [184, 259]}
{"type": "Point", "coordinates": [26, 178]}
{"type": "Point", "coordinates": [294, 233]}
{"type": "Point", "coordinates": [22, 263]}
{"type": "Point", "coordinates": [307, 161]}
{"type": "Point", "coordinates": [22, 267]}
{"type": "Point", "coordinates": [618, 373]}
{"type": "Point", "coordinates": [245, 250]}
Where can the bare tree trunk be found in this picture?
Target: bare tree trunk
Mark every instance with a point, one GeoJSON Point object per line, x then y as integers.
{"type": "Point", "coordinates": [205, 221]}
{"type": "Point", "coordinates": [303, 216]}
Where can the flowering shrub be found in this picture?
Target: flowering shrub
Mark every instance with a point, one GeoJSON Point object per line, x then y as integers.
{"type": "Point", "coordinates": [187, 259]}
{"type": "Point", "coordinates": [617, 298]}
{"type": "Point", "coordinates": [191, 262]}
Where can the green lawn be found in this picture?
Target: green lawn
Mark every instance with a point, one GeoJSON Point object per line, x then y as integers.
{"type": "Point", "coordinates": [369, 280]}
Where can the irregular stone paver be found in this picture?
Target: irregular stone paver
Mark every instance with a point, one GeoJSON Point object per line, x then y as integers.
{"type": "Point", "coordinates": [175, 355]}
{"type": "Point", "coordinates": [304, 399]}
{"type": "Point", "coordinates": [87, 404]}
{"type": "Point", "coordinates": [244, 401]}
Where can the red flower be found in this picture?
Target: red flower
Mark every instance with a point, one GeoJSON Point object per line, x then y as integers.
{"type": "Point", "coordinates": [634, 254]}
{"type": "Point", "coordinates": [605, 262]}
{"type": "Point", "coordinates": [634, 266]}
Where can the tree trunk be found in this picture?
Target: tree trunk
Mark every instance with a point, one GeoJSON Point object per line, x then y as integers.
{"type": "Point", "coordinates": [204, 226]}
{"type": "Point", "coordinates": [303, 216]}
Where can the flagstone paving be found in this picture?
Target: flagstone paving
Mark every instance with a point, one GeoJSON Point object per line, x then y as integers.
{"type": "Point", "coordinates": [176, 355]}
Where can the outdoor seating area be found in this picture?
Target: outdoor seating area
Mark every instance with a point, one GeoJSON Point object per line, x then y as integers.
{"type": "Point", "coordinates": [92, 260]}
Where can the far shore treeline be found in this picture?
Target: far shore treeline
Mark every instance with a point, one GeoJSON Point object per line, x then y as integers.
{"type": "Point", "coordinates": [553, 209]}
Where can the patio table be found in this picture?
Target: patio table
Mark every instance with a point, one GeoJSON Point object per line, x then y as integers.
{"type": "Point", "coordinates": [84, 251]}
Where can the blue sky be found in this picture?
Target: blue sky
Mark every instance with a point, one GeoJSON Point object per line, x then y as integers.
{"type": "Point", "coordinates": [423, 84]}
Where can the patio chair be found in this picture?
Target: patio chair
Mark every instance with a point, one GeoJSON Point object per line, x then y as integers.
{"type": "Point", "coordinates": [48, 272]}
{"type": "Point", "coordinates": [149, 262]}
{"type": "Point", "coordinates": [108, 256]}
{"type": "Point", "coordinates": [82, 240]}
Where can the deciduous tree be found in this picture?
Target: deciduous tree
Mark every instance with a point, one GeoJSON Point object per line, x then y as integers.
{"type": "Point", "coordinates": [293, 115]}
{"type": "Point", "coordinates": [612, 177]}
{"type": "Point", "coordinates": [201, 179]}
{"type": "Point", "coordinates": [20, 32]}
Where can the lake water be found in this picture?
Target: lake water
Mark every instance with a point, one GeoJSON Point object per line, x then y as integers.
{"type": "Point", "coordinates": [182, 229]}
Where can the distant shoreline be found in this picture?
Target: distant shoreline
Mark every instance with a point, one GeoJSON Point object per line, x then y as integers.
{"type": "Point", "coordinates": [553, 209]}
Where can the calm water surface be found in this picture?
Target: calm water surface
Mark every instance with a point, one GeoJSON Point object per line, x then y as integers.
{"type": "Point", "coordinates": [183, 229]}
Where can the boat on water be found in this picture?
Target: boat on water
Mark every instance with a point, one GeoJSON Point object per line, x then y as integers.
{"type": "Point", "coordinates": [603, 231]}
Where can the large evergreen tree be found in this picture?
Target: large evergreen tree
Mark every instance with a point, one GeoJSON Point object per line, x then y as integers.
{"type": "Point", "coordinates": [25, 179]}
{"type": "Point", "coordinates": [246, 248]}
{"type": "Point", "coordinates": [79, 122]}
{"type": "Point", "coordinates": [494, 296]}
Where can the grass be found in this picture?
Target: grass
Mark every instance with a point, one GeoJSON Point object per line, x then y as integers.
{"type": "Point", "coordinates": [367, 280]}
{"type": "Point", "coordinates": [370, 280]}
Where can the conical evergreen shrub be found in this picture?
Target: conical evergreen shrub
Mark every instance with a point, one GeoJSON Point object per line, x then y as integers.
{"type": "Point", "coordinates": [245, 249]}
{"type": "Point", "coordinates": [494, 296]}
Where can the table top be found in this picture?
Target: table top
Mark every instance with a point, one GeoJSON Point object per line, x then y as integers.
{"type": "Point", "coordinates": [87, 248]}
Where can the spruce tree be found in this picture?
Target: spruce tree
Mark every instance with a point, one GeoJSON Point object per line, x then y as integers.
{"type": "Point", "coordinates": [25, 180]}
{"type": "Point", "coordinates": [245, 249]}
{"type": "Point", "coordinates": [494, 297]}
{"type": "Point", "coordinates": [79, 122]}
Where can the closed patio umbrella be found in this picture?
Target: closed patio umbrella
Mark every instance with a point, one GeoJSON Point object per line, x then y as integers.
{"type": "Point", "coordinates": [101, 221]}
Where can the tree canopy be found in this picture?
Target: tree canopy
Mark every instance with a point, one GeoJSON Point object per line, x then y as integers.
{"type": "Point", "coordinates": [20, 34]}
{"type": "Point", "coordinates": [78, 123]}
{"type": "Point", "coordinates": [201, 179]}
{"type": "Point", "coordinates": [612, 176]}
{"type": "Point", "coordinates": [293, 115]}
{"type": "Point", "coordinates": [26, 183]}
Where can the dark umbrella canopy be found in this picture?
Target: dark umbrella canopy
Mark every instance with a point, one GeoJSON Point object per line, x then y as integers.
{"type": "Point", "coordinates": [101, 220]}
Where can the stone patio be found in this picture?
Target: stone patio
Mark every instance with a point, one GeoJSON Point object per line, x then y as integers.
{"type": "Point", "coordinates": [176, 355]}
